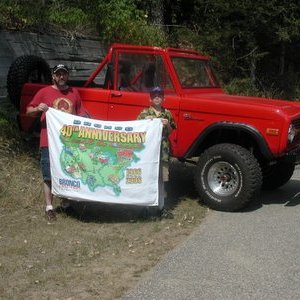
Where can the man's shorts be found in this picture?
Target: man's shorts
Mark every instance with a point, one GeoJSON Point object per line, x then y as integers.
{"type": "Point", "coordinates": [45, 164]}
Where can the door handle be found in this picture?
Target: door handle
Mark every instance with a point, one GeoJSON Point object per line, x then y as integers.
{"type": "Point", "coordinates": [187, 116]}
{"type": "Point", "coordinates": [116, 94]}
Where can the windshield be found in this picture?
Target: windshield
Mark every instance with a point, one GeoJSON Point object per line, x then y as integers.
{"type": "Point", "coordinates": [194, 73]}
{"type": "Point", "coordinates": [140, 72]}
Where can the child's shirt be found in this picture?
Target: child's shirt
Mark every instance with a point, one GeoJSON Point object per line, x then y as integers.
{"type": "Point", "coordinates": [164, 114]}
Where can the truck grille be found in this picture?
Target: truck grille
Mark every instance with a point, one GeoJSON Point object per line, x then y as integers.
{"type": "Point", "coordinates": [296, 123]}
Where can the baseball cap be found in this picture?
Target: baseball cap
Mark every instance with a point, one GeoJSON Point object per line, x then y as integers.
{"type": "Point", "coordinates": [60, 67]}
{"type": "Point", "coordinates": [157, 91]}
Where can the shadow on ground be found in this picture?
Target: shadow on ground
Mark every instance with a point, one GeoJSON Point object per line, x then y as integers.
{"type": "Point", "coordinates": [288, 195]}
{"type": "Point", "coordinates": [179, 187]}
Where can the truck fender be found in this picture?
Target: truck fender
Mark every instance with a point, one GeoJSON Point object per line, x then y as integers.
{"type": "Point", "coordinates": [203, 142]}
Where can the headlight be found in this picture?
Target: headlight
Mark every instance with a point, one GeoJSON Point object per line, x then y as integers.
{"type": "Point", "coordinates": [291, 133]}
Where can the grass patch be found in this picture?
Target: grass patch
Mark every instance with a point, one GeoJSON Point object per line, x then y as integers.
{"type": "Point", "coordinates": [97, 253]}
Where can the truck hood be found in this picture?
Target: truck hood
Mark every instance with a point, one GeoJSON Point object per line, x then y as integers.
{"type": "Point", "coordinates": [264, 108]}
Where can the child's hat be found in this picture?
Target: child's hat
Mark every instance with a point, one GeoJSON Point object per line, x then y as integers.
{"type": "Point", "coordinates": [157, 91]}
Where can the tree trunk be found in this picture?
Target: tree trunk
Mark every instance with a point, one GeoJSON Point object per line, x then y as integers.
{"type": "Point", "coordinates": [157, 12]}
{"type": "Point", "coordinates": [253, 69]}
{"type": "Point", "coordinates": [282, 59]}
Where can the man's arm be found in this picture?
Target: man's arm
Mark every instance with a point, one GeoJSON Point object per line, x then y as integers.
{"type": "Point", "coordinates": [79, 107]}
{"type": "Point", "coordinates": [35, 111]}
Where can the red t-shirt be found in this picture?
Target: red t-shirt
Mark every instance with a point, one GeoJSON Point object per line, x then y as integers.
{"type": "Point", "coordinates": [67, 100]}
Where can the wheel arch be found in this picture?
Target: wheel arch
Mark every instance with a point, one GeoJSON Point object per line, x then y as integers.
{"type": "Point", "coordinates": [229, 132]}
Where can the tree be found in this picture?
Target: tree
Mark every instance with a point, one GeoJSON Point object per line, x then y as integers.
{"type": "Point", "coordinates": [250, 39]}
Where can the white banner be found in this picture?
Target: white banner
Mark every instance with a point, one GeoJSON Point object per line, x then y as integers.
{"type": "Point", "coordinates": [104, 161]}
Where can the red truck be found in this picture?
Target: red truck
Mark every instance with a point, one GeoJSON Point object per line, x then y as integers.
{"type": "Point", "coordinates": [240, 144]}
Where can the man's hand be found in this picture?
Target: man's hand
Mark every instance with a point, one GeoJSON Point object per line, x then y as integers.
{"type": "Point", "coordinates": [33, 111]}
{"type": "Point", "coordinates": [42, 107]}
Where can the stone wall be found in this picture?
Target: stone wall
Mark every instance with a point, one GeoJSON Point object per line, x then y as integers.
{"type": "Point", "coordinates": [81, 55]}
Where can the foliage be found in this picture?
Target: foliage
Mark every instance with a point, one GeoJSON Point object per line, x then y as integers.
{"type": "Point", "coordinates": [13, 17]}
{"type": "Point", "coordinates": [33, 15]}
{"type": "Point", "coordinates": [121, 21]}
{"type": "Point", "coordinates": [246, 87]}
{"type": "Point", "coordinates": [71, 18]}
{"type": "Point", "coordinates": [11, 141]}
{"type": "Point", "coordinates": [257, 40]}
{"type": "Point", "coordinates": [252, 40]}
{"type": "Point", "coordinates": [8, 122]}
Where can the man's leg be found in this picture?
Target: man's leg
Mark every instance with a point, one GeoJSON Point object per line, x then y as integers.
{"type": "Point", "coordinates": [48, 195]}
{"type": "Point", "coordinates": [45, 166]}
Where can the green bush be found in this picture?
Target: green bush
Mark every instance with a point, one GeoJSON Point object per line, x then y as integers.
{"type": "Point", "coordinates": [32, 15]}
{"type": "Point", "coordinates": [246, 87]}
{"type": "Point", "coordinates": [70, 18]}
{"type": "Point", "coordinates": [186, 38]}
{"type": "Point", "coordinates": [12, 17]}
{"type": "Point", "coordinates": [121, 21]}
{"type": "Point", "coordinates": [8, 123]}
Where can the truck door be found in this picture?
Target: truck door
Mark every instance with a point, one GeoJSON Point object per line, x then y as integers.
{"type": "Point", "coordinates": [96, 94]}
{"type": "Point", "coordinates": [136, 74]}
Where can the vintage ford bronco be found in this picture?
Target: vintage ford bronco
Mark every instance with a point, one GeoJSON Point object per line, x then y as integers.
{"type": "Point", "coordinates": [240, 144]}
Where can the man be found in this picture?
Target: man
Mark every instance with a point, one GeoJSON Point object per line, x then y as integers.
{"type": "Point", "coordinates": [62, 97]}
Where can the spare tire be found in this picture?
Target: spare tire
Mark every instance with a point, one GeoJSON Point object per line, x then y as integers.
{"type": "Point", "coordinates": [26, 68]}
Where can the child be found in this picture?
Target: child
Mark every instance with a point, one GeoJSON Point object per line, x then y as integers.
{"type": "Point", "coordinates": [156, 110]}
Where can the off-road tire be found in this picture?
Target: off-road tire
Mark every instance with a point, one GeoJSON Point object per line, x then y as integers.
{"type": "Point", "coordinates": [277, 175]}
{"type": "Point", "coordinates": [227, 177]}
{"type": "Point", "coordinates": [26, 68]}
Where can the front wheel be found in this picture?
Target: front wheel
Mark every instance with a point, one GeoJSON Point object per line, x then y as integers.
{"type": "Point", "coordinates": [227, 177]}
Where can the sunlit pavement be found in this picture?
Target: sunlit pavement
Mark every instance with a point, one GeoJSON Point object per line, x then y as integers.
{"type": "Point", "coordinates": [254, 254]}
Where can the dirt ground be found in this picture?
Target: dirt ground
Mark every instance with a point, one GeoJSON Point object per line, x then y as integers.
{"type": "Point", "coordinates": [99, 252]}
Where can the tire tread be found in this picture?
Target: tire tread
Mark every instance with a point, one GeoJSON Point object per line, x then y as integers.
{"type": "Point", "coordinates": [254, 176]}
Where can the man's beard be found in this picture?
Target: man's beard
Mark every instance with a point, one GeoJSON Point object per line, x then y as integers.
{"type": "Point", "coordinates": [60, 83]}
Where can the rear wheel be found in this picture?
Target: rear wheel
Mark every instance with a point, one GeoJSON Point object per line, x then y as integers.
{"type": "Point", "coordinates": [227, 177]}
{"type": "Point", "coordinates": [26, 68]}
{"type": "Point", "coordinates": [277, 175]}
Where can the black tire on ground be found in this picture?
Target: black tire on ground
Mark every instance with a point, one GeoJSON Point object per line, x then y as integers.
{"type": "Point", "coordinates": [26, 68]}
{"type": "Point", "coordinates": [227, 177]}
{"type": "Point", "coordinates": [277, 175]}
